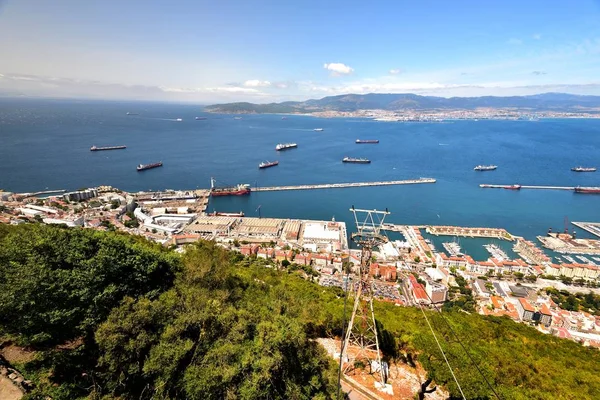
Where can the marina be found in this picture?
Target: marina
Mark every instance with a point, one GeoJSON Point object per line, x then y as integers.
{"type": "Point", "coordinates": [453, 249]}
{"type": "Point", "coordinates": [496, 252]}
{"type": "Point", "coordinates": [343, 185]}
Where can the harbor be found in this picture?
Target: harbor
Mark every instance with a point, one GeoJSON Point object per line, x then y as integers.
{"type": "Point", "coordinates": [343, 185]}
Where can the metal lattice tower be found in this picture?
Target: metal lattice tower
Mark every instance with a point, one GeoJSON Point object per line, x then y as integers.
{"type": "Point", "coordinates": [361, 332]}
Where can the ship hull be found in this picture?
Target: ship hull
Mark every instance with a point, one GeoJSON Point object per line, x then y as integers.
{"type": "Point", "coordinates": [108, 148]}
{"type": "Point", "coordinates": [231, 193]}
{"type": "Point", "coordinates": [587, 191]}
{"type": "Point", "coordinates": [367, 142]}
{"type": "Point", "coordinates": [357, 162]}
{"type": "Point", "coordinates": [148, 167]}
{"type": "Point", "coordinates": [267, 166]}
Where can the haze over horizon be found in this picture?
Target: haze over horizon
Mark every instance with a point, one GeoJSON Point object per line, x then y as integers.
{"type": "Point", "coordinates": [209, 52]}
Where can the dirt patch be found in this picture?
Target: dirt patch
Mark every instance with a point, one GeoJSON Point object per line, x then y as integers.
{"type": "Point", "coordinates": [8, 391]}
{"type": "Point", "coordinates": [404, 379]}
{"type": "Point", "coordinates": [15, 354]}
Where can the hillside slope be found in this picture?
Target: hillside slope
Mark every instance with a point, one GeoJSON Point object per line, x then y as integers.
{"type": "Point", "coordinates": [407, 101]}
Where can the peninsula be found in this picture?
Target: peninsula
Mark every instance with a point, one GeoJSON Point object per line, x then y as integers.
{"type": "Point", "coordinates": [410, 107]}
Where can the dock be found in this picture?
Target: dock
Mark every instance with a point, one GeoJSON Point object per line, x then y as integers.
{"type": "Point", "coordinates": [527, 187]}
{"type": "Point", "coordinates": [343, 185]}
{"type": "Point", "coordinates": [42, 192]}
{"type": "Point", "coordinates": [591, 227]}
{"type": "Point", "coordinates": [493, 233]}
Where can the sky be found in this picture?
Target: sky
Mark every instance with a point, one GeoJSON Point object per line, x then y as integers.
{"type": "Point", "coordinates": [272, 50]}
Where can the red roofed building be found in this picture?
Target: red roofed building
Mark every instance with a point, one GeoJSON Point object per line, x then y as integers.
{"type": "Point", "coordinates": [265, 253]}
{"type": "Point", "coordinates": [545, 315]}
{"type": "Point", "coordinates": [525, 309]}
{"type": "Point", "coordinates": [322, 259]}
{"type": "Point", "coordinates": [248, 249]}
{"type": "Point", "coordinates": [419, 292]}
{"type": "Point", "coordinates": [303, 258]}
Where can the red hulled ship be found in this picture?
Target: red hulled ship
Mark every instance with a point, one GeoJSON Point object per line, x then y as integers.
{"type": "Point", "coordinates": [237, 190]}
{"type": "Point", "coordinates": [587, 190]}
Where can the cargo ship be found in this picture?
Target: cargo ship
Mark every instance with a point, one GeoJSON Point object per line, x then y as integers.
{"type": "Point", "coordinates": [200, 118]}
{"type": "Point", "coordinates": [95, 148]}
{"type": "Point", "coordinates": [485, 167]}
{"type": "Point", "coordinates": [318, 129]}
{"type": "Point", "coordinates": [513, 187]}
{"type": "Point", "coordinates": [226, 214]}
{"type": "Point", "coordinates": [267, 164]}
{"type": "Point", "coordinates": [587, 190]}
{"type": "Point", "coordinates": [285, 146]}
{"type": "Point", "coordinates": [367, 141]}
{"type": "Point", "coordinates": [130, 113]}
{"type": "Point", "coordinates": [238, 190]}
{"type": "Point", "coordinates": [583, 169]}
{"type": "Point", "coordinates": [356, 160]}
{"type": "Point", "coordinates": [143, 167]}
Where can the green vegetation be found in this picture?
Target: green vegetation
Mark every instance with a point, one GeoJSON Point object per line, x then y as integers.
{"type": "Point", "coordinates": [589, 302]}
{"type": "Point", "coordinates": [136, 321]}
{"type": "Point", "coordinates": [460, 297]}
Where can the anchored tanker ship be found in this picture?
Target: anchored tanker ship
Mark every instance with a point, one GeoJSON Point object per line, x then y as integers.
{"type": "Point", "coordinates": [95, 148]}
{"type": "Point", "coordinates": [143, 167]}
{"type": "Point", "coordinates": [367, 141]}
{"type": "Point", "coordinates": [485, 167]}
{"type": "Point", "coordinates": [356, 160]}
{"type": "Point", "coordinates": [285, 146]}
{"type": "Point", "coordinates": [583, 169]}
{"type": "Point", "coordinates": [267, 164]}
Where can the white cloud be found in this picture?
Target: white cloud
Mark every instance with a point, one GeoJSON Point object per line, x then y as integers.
{"type": "Point", "coordinates": [395, 71]}
{"type": "Point", "coordinates": [515, 41]}
{"type": "Point", "coordinates": [537, 36]}
{"type": "Point", "coordinates": [257, 83]}
{"type": "Point", "coordinates": [338, 68]}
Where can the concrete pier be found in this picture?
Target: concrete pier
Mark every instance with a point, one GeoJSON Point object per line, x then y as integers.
{"type": "Point", "coordinates": [343, 185]}
{"type": "Point", "coordinates": [42, 192]}
{"type": "Point", "coordinates": [591, 227]}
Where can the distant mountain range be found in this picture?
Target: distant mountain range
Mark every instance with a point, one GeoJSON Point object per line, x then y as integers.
{"type": "Point", "coordinates": [407, 101]}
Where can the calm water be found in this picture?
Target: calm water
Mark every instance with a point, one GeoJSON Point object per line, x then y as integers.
{"type": "Point", "coordinates": [45, 144]}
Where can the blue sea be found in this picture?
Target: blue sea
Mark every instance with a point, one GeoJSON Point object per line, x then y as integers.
{"type": "Point", "coordinates": [45, 144]}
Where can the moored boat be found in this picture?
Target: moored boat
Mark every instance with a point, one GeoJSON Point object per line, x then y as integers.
{"type": "Point", "coordinates": [226, 214]}
{"type": "Point", "coordinates": [587, 190]}
{"type": "Point", "coordinates": [237, 190]}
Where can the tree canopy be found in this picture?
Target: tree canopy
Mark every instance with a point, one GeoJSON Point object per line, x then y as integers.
{"type": "Point", "coordinates": [114, 316]}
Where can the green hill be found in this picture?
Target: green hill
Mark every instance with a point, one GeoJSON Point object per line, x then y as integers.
{"type": "Point", "coordinates": [113, 316]}
{"type": "Point", "coordinates": [408, 101]}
